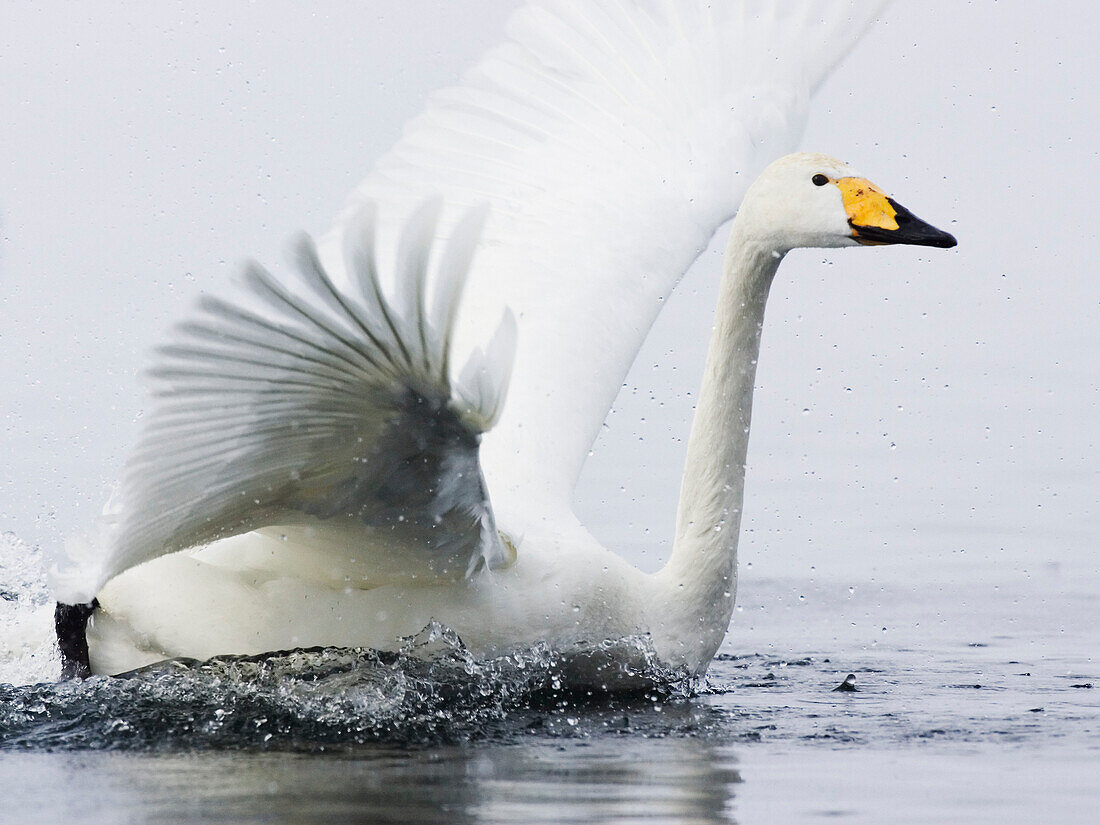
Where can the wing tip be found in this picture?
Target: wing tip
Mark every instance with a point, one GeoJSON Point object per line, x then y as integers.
{"type": "Point", "coordinates": [483, 382]}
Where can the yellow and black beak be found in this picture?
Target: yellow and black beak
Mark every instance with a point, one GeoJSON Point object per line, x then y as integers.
{"type": "Point", "coordinates": [878, 219]}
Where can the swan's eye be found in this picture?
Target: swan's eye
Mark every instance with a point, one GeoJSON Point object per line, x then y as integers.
{"type": "Point", "coordinates": [819, 179]}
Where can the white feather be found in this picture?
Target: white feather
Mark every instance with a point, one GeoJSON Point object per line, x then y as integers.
{"type": "Point", "coordinates": [308, 411]}
{"type": "Point", "coordinates": [611, 138]}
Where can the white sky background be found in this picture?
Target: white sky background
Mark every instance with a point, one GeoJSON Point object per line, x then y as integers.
{"type": "Point", "coordinates": [914, 406]}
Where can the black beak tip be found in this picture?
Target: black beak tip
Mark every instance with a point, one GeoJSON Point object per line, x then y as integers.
{"type": "Point", "coordinates": [945, 240]}
{"type": "Point", "coordinates": [911, 230]}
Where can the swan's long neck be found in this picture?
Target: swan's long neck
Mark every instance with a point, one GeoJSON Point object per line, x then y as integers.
{"type": "Point", "coordinates": [701, 577]}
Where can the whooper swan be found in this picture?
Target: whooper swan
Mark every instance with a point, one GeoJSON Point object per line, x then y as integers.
{"type": "Point", "coordinates": [331, 426]}
{"type": "Point", "coordinates": [610, 139]}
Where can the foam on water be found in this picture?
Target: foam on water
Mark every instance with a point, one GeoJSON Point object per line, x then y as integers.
{"type": "Point", "coordinates": [27, 650]}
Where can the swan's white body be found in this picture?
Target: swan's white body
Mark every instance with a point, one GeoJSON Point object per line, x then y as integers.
{"type": "Point", "coordinates": [302, 586]}
{"type": "Point", "coordinates": [316, 583]}
{"type": "Point", "coordinates": [610, 141]}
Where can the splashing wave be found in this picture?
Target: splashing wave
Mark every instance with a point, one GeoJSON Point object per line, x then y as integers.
{"type": "Point", "coordinates": [432, 689]}
{"type": "Point", "coordinates": [28, 652]}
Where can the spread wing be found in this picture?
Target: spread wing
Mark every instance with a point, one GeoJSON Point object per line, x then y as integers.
{"type": "Point", "coordinates": [612, 138]}
{"type": "Point", "coordinates": [322, 405]}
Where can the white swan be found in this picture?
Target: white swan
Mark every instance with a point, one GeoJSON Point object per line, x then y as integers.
{"type": "Point", "coordinates": [610, 139]}
{"type": "Point", "coordinates": [332, 423]}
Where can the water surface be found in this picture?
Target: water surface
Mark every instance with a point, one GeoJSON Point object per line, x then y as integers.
{"type": "Point", "coordinates": [960, 714]}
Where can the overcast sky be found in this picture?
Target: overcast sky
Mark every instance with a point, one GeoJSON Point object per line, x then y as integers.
{"type": "Point", "coordinates": [914, 405]}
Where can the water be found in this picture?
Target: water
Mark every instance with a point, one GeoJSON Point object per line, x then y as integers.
{"type": "Point", "coordinates": [977, 699]}
{"type": "Point", "coordinates": [655, 780]}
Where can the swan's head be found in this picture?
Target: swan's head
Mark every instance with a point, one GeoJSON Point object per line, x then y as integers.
{"type": "Point", "coordinates": [809, 199]}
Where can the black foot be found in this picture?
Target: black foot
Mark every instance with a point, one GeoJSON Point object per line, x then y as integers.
{"type": "Point", "coordinates": [70, 622]}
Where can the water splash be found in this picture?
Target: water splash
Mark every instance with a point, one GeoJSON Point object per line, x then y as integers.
{"type": "Point", "coordinates": [432, 689]}
{"type": "Point", "coordinates": [27, 650]}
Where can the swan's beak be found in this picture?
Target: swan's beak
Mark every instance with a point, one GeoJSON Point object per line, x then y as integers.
{"type": "Point", "coordinates": [876, 219]}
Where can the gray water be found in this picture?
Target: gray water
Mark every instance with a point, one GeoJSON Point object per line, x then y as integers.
{"type": "Point", "coordinates": [959, 714]}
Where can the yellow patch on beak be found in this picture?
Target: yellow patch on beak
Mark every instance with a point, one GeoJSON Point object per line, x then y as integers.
{"type": "Point", "coordinates": [866, 204]}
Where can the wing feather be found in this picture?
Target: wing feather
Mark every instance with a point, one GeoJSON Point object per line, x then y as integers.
{"type": "Point", "coordinates": [328, 404]}
{"type": "Point", "coordinates": [611, 138]}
